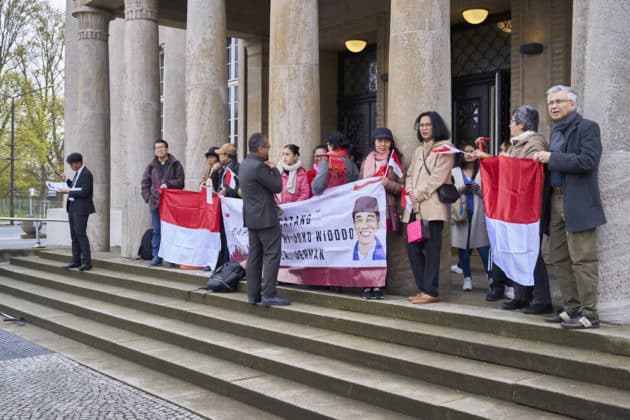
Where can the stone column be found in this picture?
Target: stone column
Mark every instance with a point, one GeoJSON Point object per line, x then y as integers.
{"type": "Point", "coordinates": [257, 83]}
{"type": "Point", "coordinates": [419, 80]}
{"type": "Point", "coordinates": [603, 85]}
{"type": "Point", "coordinates": [206, 84]}
{"type": "Point", "coordinates": [93, 114]}
{"type": "Point", "coordinates": [141, 115]}
{"type": "Point", "coordinates": [173, 42]}
{"type": "Point", "coordinates": [294, 76]}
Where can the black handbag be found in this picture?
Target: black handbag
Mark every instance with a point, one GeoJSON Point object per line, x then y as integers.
{"type": "Point", "coordinates": [447, 193]}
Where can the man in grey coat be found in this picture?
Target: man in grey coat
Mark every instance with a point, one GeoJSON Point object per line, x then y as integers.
{"type": "Point", "coordinates": [576, 208]}
{"type": "Point", "coordinates": [259, 181]}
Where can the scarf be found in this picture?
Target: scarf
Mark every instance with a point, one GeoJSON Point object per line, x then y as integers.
{"type": "Point", "coordinates": [375, 164]}
{"type": "Point", "coordinates": [521, 137]}
{"type": "Point", "coordinates": [292, 171]}
{"type": "Point", "coordinates": [557, 142]}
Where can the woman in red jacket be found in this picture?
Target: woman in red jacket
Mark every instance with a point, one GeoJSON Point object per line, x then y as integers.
{"type": "Point", "coordinates": [295, 185]}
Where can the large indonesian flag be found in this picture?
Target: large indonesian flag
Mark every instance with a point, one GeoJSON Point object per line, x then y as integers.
{"type": "Point", "coordinates": [512, 196]}
{"type": "Point", "coordinates": [191, 228]}
{"type": "Point", "coordinates": [323, 243]}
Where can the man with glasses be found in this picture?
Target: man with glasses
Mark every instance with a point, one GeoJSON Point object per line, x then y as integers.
{"type": "Point", "coordinates": [164, 171]}
{"type": "Point", "coordinates": [319, 154]}
{"type": "Point", "coordinates": [260, 181]}
{"type": "Point", "coordinates": [576, 208]}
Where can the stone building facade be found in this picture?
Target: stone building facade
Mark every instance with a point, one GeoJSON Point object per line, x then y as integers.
{"type": "Point", "coordinates": [296, 75]}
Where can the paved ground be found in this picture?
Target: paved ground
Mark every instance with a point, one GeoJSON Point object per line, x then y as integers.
{"type": "Point", "coordinates": [37, 383]}
{"type": "Point", "coordinates": [10, 237]}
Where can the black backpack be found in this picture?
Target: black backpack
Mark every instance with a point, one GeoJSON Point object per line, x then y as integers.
{"type": "Point", "coordinates": [225, 278]}
{"type": "Point", "coordinates": [146, 250]}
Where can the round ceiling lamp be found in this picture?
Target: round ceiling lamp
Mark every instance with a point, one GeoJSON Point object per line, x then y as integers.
{"type": "Point", "coordinates": [475, 16]}
{"type": "Point", "coordinates": [356, 45]}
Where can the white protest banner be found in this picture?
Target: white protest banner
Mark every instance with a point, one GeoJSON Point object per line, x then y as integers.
{"type": "Point", "coordinates": [337, 238]}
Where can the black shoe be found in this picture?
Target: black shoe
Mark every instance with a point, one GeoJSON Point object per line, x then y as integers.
{"type": "Point", "coordinates": [275, 301]}
{"type": "Point", "coordinates": [580, 322]}
{"type": "Point", "coordinates": [207, 268]}
{"type": "Point", "coordinates": [494, 295]}
{"type": "Point", "coordinates": [367, 294]}
{"type": "Point", "coordinates": [562, 316]}
{"type": "Point", "coordinates": [253, 302]}
{"type": "Point", "coordinates": [514, 304]}
{"type": "Point", "coordinates": [71, 265]}
{"type": "Point", "coordinates": [155, 262]}
{"type": "Point", "coordinates": [377, 294]}
{"type": "Point", "coordinates": [171, 265]}
{"type": "Point", "coordinates": [538, 308]}
{"type": "Point", "coordinates": [85, 267]}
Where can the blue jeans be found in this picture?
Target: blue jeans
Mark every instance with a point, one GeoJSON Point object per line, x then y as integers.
{"type": "Point", "coordinates": [464, 259]}
{"type": "Point", "coordinates": [155, 224]}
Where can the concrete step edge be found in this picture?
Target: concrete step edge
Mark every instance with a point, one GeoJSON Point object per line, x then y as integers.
{"type": "Point", "coordinates": [480, 349]}
{"type": "Point", "coordinates": [194, 373]}
{"type": "Point", "coordinates": [406, 405]}
{"type": "Point", "coordinates": [491, 321]}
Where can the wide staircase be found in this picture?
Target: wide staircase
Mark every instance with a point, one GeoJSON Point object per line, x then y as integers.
{"type": "Point", "coordinates": [327, 355]}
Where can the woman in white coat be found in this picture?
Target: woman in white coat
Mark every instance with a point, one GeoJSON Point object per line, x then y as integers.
{"type": "Point", "coordinates": [470, 233]}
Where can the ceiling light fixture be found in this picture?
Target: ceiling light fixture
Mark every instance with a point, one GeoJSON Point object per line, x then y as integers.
{"type": "Point", "coordinates": [475, 16]}
{"type": "Point", "coordinates": [505, 26]}
{"type": "Point", "coordinates": [356, 45]}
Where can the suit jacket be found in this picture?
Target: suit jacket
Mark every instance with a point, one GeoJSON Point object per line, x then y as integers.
{"type": "Point", "coordinates": [259, 183]}
{"type": "Point", "coordinates": [578, 164]}
{"type": "Point", "coordinates": [81, 202]}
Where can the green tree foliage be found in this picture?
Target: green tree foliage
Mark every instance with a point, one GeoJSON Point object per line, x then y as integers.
{"type": "Point", "coordinates": [31, 68]}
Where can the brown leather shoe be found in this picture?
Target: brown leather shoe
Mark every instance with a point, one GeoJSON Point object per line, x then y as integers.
{"type": "Point", "coordinates": [426, 299]}
{"type": "Point", "coordinates": [416, 296]}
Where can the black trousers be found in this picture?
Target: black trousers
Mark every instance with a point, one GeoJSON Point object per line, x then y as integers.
{"type": "Point", "coordinates": [264, 255]}
{"type": "Point", "coordinates": [424, 258]}
{"type": "Point", "coordinates": [80, 243]}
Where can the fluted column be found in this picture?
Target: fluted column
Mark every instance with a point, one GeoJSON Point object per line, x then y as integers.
{"type": "Point", "coordinates": [294, 76]}
{"type": "Point", "coordinates": [419, 80]}
{"type": "Point", "coordinates": [206, 84]}
{"type": "Point", "coordinates": [600, 57]}
{"type": "Point", "coordinates": [93, 114]}
{"type": "Point", "coordinates": [141, 115]}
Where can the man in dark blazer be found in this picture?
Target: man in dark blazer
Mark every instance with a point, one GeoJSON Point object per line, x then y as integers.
{"type": "Point", "coordinates": [575, 206]}
{"type": "Point", "coordinates": [259, 181]}
{"type": "Point", "coordinates": [79, 207]}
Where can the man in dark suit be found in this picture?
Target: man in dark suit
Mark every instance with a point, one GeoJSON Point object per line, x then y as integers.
{"type": "Point", "coordinates": [260, 180]}
{"type": "Point", "coordinates": [79, 207]}
{"type": "Point", "coordinates": [575, 206]}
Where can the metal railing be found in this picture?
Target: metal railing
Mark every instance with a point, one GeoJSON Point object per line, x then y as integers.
{"type": "Point", "coordinates": [37, 221]}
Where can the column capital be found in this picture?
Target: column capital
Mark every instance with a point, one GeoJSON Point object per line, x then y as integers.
{"type": "Point", "coordinates": [141, 10]}
{"type": "Point", "coordinates": [93, 22]}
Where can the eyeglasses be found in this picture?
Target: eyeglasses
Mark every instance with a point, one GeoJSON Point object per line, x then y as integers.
{"type": "Point", "coordinates": [321, 156]}
{"type": "Point", "coordinates": [558, 102]}
{"type": "Point", "coordinates": [265, 146]}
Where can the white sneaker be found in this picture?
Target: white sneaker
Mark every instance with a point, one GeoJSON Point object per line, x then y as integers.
{"type": "Point", "coordinates": [509, 292]}
{"type": "Point", "coordinates": [455, 269]}
{"type": "Point", "coordinates": [467, 284]}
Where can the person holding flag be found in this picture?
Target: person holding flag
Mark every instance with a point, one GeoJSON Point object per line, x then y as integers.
{"type": "Point", "coordinates": [228, 186]}
{"type": "Point", "coordinates": [384, 162]}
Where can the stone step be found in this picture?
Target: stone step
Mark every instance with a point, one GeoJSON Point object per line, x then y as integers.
{"type": "Point", "coordinates": [471, 318]}
{"type": "Point", "coordinates": [574, 363]}
{"type": "Point", "coordinates": [520, 386]}
{"type": "Point", "coordinates": [274, 394]}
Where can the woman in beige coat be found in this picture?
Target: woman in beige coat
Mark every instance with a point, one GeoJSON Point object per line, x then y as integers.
{"type": "Point", "coordinates": [428, 171]}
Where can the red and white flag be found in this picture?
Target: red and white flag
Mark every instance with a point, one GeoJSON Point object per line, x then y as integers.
{"type": "Point", "coordinates": [191, 228]}
{"type": "Point", "coordinates": [512, 196]}
{"type": "Point", "coordinates": [405, 200]}
{"type": "Point", "coordinates": [446, 149]}
{"type": "Point", "coordinates": [229, 178]}
{"type": "Point", "coordinates": [394, 163]}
